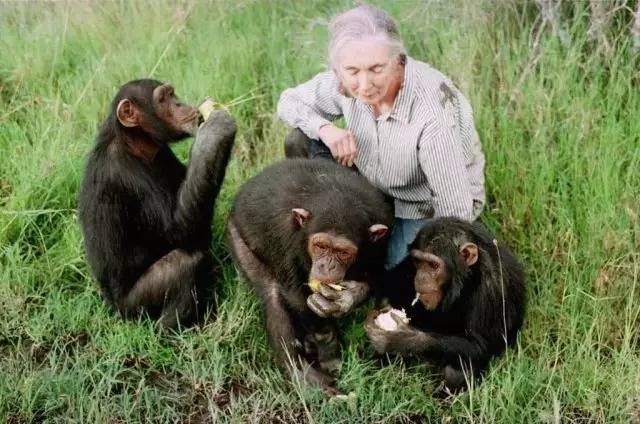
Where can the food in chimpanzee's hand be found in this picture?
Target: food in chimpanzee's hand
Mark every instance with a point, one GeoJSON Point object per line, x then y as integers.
{"type": "Point", "coordinates": [314, 285]}
{"type": "Point", "coordinates": [206, 107]}
{"type": "Point", "coordinates": [387, 320]}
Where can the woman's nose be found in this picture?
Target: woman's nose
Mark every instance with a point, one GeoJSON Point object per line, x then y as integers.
{"type": "Point", "coordinates": [363, 80]}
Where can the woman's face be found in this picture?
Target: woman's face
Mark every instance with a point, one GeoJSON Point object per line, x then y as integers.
{"type": "Point", "coordinates": [368, 71]}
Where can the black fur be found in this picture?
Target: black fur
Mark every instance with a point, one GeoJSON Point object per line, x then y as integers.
{"type": "Point", "coordinates": [134, 213]}
{"type": "Point", "coordinates": [271, 249]}
{"type": "Point", "coordinates": [339, 201]}
{"type": "Point", "coordinates": [483, 307]}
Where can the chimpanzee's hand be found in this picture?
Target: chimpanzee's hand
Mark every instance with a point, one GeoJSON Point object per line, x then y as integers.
{"type": "Point", "coordinates": [328, 302]}
{"type": "Point", "coordinates": [403, 339]}
{"type": "Point", "coordinates": [219, 127]}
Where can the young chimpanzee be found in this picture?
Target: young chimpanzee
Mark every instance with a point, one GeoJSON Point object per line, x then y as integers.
{"type": "Point", "coordinates": [468, 299]}
{"type": "Point", "coordinates": [302, 221]}
{"type": "Point", "coordinates": [145, 217]}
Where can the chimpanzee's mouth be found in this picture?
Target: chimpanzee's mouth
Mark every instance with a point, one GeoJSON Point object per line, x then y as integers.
{"type": "Point", "coordinates": [190, 124]}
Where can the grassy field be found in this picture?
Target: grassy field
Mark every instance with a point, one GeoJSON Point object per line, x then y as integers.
{"type": "Point", "coordinates": [560, 131]}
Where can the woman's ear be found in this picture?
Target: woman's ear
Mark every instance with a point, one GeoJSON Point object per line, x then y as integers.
{"type": "Point", "coordinates": [343, 91]}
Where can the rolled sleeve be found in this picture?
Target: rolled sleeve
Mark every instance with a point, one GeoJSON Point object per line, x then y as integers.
{"type": "Point", "coordinates": [311, 105]}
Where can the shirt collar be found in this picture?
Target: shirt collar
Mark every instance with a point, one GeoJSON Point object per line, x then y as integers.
{"type": "Point", "coordinates": [402, 106]}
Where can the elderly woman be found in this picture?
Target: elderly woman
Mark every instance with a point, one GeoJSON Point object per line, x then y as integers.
{"type": "Point", "coordinates": [409, 131]}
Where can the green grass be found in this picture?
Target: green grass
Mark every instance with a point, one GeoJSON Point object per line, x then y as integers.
{"type": "Point", "coordinates": [563, 153]}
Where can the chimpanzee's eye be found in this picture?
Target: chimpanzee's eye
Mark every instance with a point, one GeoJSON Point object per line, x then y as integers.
{"type": "Point", "coordinates": [321, 246]}
{"type": "Point", "coordinates": [343, 255]}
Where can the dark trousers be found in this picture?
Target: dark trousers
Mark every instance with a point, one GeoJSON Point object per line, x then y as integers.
{"type": "Point", "coordinates": [298, 145]}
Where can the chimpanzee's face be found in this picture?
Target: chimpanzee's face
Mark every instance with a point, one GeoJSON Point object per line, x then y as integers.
{"type": "Point", "coordinates": [181, 118]}
{"type": "Point", "coordinates": [431, 278]}
{"type": "Point", "coordinates": [436, 268]}
{"type": "Point", "coordinates": [157, 112]}
{"type": "Point", "coordinates": [331, 256]}
{"type": "Point", "coordinates": [332, 252]}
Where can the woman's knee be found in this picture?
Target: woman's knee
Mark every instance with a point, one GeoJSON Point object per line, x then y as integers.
{"type": "Point", "coordinates": [296, 144]}
{"type": "Point", "coordinates": [403, 233]}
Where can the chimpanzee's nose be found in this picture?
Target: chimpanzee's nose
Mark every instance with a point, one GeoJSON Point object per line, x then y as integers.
{"type": "Point", "coordinates": [328, 271]}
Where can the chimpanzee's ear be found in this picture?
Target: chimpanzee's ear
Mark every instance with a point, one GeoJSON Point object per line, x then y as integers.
{"type": "Point", "coordinates": [300, 216]}
{"type": "Point", "coordinates": [377, 231]}
{"type": "Point", "coordinates": [127, 113]}
{"type": "Point", "coordinates": [469, 252]}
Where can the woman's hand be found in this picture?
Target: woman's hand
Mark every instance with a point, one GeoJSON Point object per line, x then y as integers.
{"type": "Point", "coordinates": [341, 143]}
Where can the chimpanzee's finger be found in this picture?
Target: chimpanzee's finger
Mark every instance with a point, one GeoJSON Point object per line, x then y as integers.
{"type": "Point", "coordinates": [399, 321]}
{"type": "Point", "coordinates": [321, 306]}
{"type": "Point", "coordinates": [370, 321]}
{"type": "Point", "coordinates": [315, 309]}
{"type": "Point", "coordinates": [328, 292]}
{"type": "Point", "coordinates": [350, 284]}
{"type": "Point", "coordinates": [371, 316]}
{"type": "Point", "coordinates": [345, 302]}
{"type": "Point", "coordinates": [372, 329]}
{"type": "Point", "coordinates": [385, 309]}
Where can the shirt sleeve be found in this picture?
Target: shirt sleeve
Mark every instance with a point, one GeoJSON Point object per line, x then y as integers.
{"type": "Point", "coordinates": [442, 161]}
{"type": "Point", "coordinates": [311, 105]}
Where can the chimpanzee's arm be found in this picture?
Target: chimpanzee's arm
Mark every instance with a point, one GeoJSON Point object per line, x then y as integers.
{"type": "Point", "coordinates": [447, 346]}
{"type": "Point", "coordinates": [208, 162]}
{"type": "Point", "coordinates": [407, 339]}
{"type": "Point", "coordinates": [280, 325]}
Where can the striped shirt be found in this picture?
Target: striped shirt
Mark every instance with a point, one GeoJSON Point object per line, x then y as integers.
{"type": "Point", "coordinates": [425, 153]}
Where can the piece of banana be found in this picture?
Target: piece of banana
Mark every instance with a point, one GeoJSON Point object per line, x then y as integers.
{"type": "Point", "coordinates": [314, 285]}
{"type": "Point", "coordinates": [206, 107]}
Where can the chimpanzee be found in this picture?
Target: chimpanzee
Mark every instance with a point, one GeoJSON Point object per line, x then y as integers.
{"type": "Point", "coordinates": [471, 296]}
{"type": "Point", "coordinates": [309, 220]}
{"type": "Point", "coordinates": [145, 217]}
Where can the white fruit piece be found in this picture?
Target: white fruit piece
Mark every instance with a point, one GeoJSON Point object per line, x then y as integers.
{"type": "Point", "coordinates": [386, 322]}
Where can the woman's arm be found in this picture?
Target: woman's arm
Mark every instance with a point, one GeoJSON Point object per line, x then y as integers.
{"type": "Point", "coordinates": [311, 105]}
{"type": "Point", "coordinates": [442, 161]}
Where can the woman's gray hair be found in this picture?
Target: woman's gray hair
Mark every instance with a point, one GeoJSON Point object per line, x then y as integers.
{"type": "Point", "coordinates": [361, 22]}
